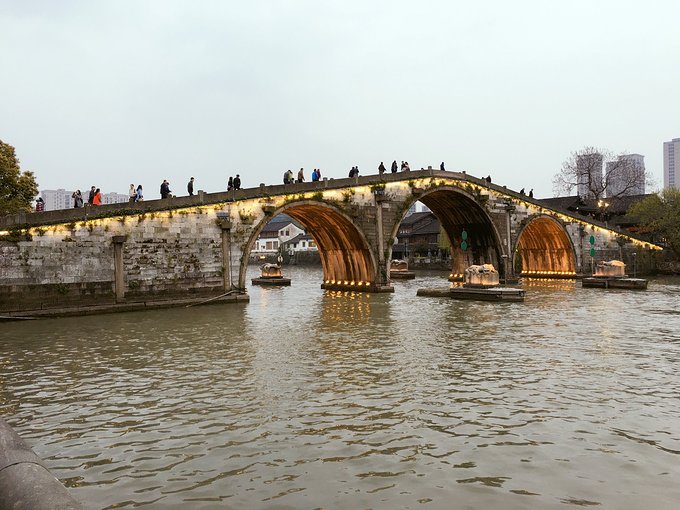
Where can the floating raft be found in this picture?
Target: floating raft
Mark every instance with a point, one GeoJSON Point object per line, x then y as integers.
{"type": "Point", "coordinates": [476, 293]}
{"type": "Point", "coordinates": [263, 280]}
{"type": "Point", "coordinates": [609, 282]}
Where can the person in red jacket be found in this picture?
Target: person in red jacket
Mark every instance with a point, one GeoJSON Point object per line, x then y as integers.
{"type": "Point", "coordinates": [97, 200]}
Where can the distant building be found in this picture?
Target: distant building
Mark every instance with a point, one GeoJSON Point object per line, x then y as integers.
{"type": "Point", "coordinates": [114, 198]}
{"type": "Point", "coordinates": [280, 230]}
{"type": "Point", "coordinates": [301, 242]}
{"type": "Point", "coordinates": [612, 211]}
{"type": "Point", "coordinates": [671, 163]}
{"type": "Point", "coordinates": [626, 176]}
{"type": "Point", "coordinates": [588, 174]}
{"type": "Point", "coordinates": [419, 233]}
{"type": "Point", "coordinates": [56, 199]}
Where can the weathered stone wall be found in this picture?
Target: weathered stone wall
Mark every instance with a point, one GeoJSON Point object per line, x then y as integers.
{"type": "Point", "coordinates": [172, 254]}
{"type": "Point", "coordinates": [165, 254]}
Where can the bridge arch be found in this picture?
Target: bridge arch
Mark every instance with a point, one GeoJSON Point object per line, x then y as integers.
{"type": "Point", "coordinates": [346, 258]}
{"type": "Point", "coordinates": [458, 211]}
{"type": "Point", "coordinates": [544, 248]}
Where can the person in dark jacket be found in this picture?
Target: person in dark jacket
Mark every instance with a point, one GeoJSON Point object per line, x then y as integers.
{"type": "Point", "coordinates": [77, 199]}
{"type": "Point", "coordinates": [190, 187]}
{"type": "Point", "coordinates": [394, 166]}
{"type": "Point", "coordinates": [381, 168]}
{"type": "Point", "coordinates": [237, 182]}
{"type": "Point", "coordinates": [165, 189]}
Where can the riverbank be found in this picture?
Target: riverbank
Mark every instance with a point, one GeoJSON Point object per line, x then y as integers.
{"type": "Point", "coordinates": [112, 307]}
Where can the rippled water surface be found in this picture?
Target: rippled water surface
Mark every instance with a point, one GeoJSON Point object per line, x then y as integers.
{"type": "Point", "coordinates": [305, 398]}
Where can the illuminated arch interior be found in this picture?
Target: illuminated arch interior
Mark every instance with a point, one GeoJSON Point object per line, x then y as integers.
{"type": "Point", "coordinates": [457, 213]}
{"type": "Point", "coordinates": [344, 253]}
{"type": "Point", "coordinates": [544, 249]}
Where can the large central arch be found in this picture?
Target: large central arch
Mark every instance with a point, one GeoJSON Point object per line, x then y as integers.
{"type": "Point", "coordinates": [545, 249]}
{"type": "Point", "coordinates": [346, 259]}
{"type": "Point", "coordinates": [458, 212]}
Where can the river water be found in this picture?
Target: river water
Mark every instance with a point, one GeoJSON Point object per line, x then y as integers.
{"type": "Point", "coordinates": [305, 398]}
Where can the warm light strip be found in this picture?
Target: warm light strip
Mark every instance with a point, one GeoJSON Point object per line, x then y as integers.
{"type": "Point", "coordinates": [250, 204]}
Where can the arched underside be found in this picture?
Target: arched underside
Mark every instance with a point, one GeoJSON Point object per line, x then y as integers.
{"type": "Point", "coordinates": [545, 250]}
{"type": "Point", "coordinates": [345, 256]}
{"type": "Point", "coordinates": [457, 212]}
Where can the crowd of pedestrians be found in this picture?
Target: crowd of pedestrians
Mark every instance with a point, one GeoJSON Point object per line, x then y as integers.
{"type": "Point", "coordinates": [136, 194]}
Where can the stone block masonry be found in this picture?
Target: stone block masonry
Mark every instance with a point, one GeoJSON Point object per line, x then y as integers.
{"type": "Point", "coordinates": [164, 256]}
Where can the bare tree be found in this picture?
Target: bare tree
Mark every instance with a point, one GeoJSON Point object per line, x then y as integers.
{"type": "Point", "coordinates": [597, 173]}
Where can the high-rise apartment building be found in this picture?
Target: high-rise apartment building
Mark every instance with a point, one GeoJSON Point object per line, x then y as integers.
{"type": "Point", "coordinates": [57, 199]}
{"type": "Point", "coordinates": [626, 176]}
{"type": "Point", "coordinates": [589, 175]}
{"type": "Point", "coordinates": [61, 199]}
{"type": "Point", "coordinates": [671, 164]}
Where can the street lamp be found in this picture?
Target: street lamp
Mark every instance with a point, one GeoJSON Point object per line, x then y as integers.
{"type": "Point", "coordinates": [602, 206]}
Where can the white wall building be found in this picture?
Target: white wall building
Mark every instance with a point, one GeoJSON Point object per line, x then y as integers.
{"type": "Point", "coordinates": [626, 175]}
{"type": "Point", "coordinates": [302, 242]}
{"type": "Point", "coordinates": [278, 231]}
{"type": "Point", "coordinates": [671, 164]}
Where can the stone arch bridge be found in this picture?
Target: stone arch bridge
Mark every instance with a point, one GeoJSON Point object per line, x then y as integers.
{"type": "Point", "coordinates": [199, 246]}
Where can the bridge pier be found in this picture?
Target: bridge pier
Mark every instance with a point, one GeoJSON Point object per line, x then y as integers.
{"type": "Point", "coordinates": [382, 283]}
{"type": "Point", "coordinates": [509, 270]}
{"type": "Point", "coordinates": [118, 270]}
{"type": "Point", "coordinates": [225, 227]}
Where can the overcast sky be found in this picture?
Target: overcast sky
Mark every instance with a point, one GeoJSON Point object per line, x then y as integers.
{"type": "Point", "coordinates": [117, 92]}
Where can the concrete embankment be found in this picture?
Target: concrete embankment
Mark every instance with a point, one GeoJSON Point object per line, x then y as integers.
{"type": "Point", "coordinates": [25, 482]}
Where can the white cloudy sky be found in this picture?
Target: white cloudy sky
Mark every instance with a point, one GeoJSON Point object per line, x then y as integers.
{"type": "Point", "coordinates": [115, 92]}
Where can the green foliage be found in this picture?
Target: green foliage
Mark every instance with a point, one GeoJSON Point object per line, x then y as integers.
{"type": "Point", "coordinates": [17, 235]}
{"type": "Point", "coordinates": [659, 215]}
{"type": "Point", "coordinates": [444, 243]}
{"type": "Point", "coordinates": [347, 195]}
{"type": "Point", "coordinates": [17, 188]}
